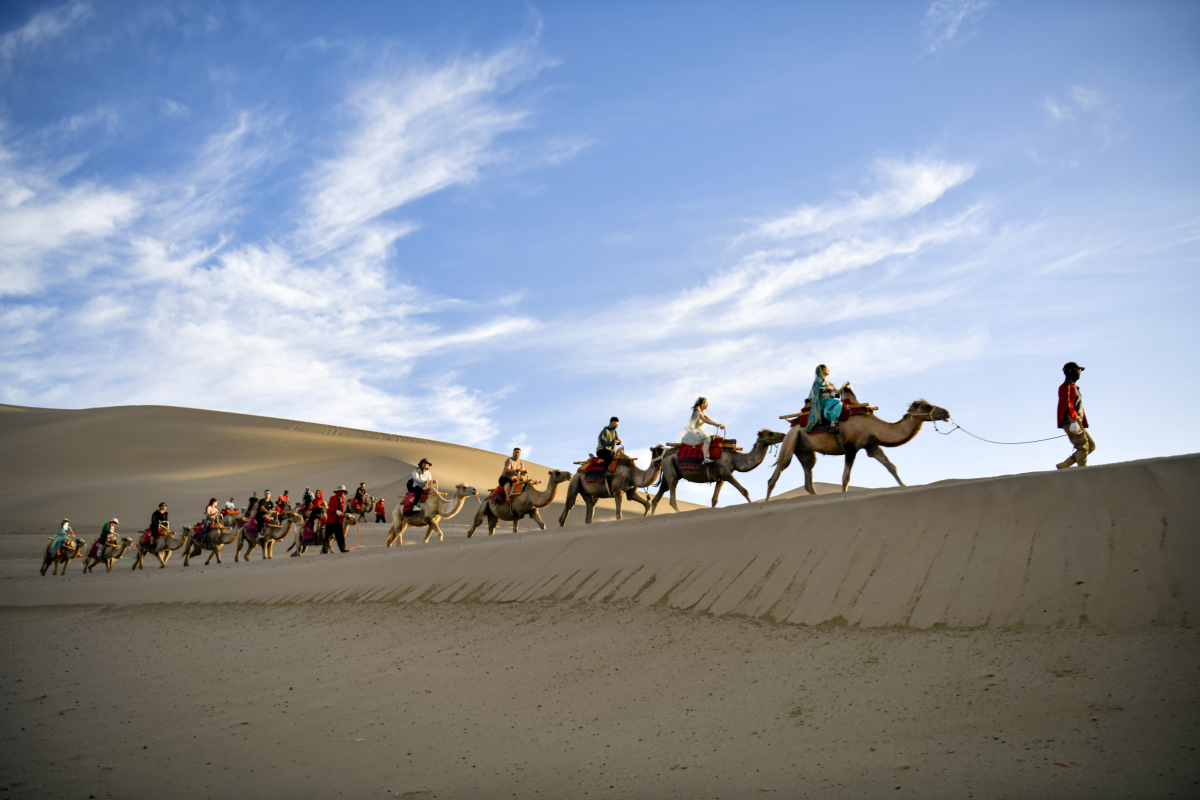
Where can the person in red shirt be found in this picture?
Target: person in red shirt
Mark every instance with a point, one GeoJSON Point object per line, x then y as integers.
{"type": "Point", "coordinates": [1072, 418]}
{"type": "Point", "coordinates": [335, 520]}
{"type": "Point", "coordinates": [380, 511]}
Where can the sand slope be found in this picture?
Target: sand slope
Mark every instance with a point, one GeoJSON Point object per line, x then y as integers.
{"type": "Point", "coordinates": [1114, 545]}
{"type": "Point", "coordinates": [93, 464]}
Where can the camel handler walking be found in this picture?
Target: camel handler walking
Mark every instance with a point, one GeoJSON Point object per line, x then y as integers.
{"type": "Point", "coordinates": [335, 520]}
{"type": "Point", "coordinates": [1072, 418]}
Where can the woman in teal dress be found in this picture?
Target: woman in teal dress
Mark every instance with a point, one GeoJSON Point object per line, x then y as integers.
{"type": "Point", "coordinates": [825, 402]}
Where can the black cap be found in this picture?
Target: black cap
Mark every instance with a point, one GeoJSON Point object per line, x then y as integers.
{"type": "Point", "coordinates": [1070, 365]}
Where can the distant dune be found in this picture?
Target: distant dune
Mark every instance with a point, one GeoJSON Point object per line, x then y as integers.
{"type": "Point", "coordinates": [92, 464]}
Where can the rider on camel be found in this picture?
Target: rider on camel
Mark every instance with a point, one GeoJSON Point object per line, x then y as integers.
{"type": "Point", "coordinates": [421, 480]}
{"type": "Point", "coordinates": [514, 468]}
{"type": "Point", "coordinates": [825, 402]}
{"type": "Point", "coordinates": [262, 514]}
{"type": "Point", "coordinates": [63, 533]}
{"type": "Point", "coordinates": [107, 538]}
{"type": "Point", "coordinates": [694, 433]}
{"type": "Point", "coordinates": [158, 520]}
{"type": "Point", "coordinates": [211, 514]}
{"type": "Point", "coordinates": [360, 498]}
{"type": "Point", "coordinates": [607, 443]}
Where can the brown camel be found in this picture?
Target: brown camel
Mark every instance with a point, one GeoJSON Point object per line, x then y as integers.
{"type": "Point", "coordinates": [217, 537]}
{"type": "Point", "coordinates": [624, 482]}
{"type": "Point", "coordinates": [266, 539]}
{"type": "Point", "coordinates": [720, 470]}
{"type": "Point", "coordinates": [160, 547]}
{"type": "Point", "coordinates": [107, 554]}
{"type": "Point", "coordinates": [525, 504]}
{"type": "Point", "coordinates": [435, 507]}
{"type": "Point", "coordinates": [66, 552]}
{"type": "Point", "coordinates": [859, 432]}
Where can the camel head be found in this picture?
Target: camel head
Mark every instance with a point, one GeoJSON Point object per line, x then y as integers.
{"type": "Point", "coordinates": [558, 476]}
{"type": "Point", "coordinates": [656, 452]}
{"type": "Point", "coordinates": [127, 540]}
{"type": "Point", "coordinates": [927, 410]}
{"type": "Point", "coordinates": [463, 490]}
{"type": "Point", "coordinates": [769, 437]}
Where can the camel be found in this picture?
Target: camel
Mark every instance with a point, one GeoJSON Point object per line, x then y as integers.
{"type": "Point", "coordinates": [108, 554]}
{"type": "Point", "coordinates": [217, 537]}
{"type": "Point", "coordinates": [720, 470]}
{"type": "Point", "coordinates": [859, 432]}
{"type": "Point", "coordinates": [624, 482]}
{"type": "Point", "coordinates": [267, 539]}
{"type": "Point", "coordinates": [159, 547]}
{"type": "Point", "coordinates": [525, 504]}
{"type": "Point", "coordinates": [435, 507]}
{"type": "Point", "coordinates": [66, 552]}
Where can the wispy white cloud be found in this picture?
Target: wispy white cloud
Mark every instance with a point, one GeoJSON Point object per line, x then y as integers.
{"type": "Point", "coordinates": [1086, 98]}
{"type": "Point", "coordinates": [413, 132]}
{"type": "Point", "coordinates": [174, 110]}
{"type": "Point", "coordinates": [948, 21]}
{"type": "Point", "coordinates": [908, 186]}
{"type": "Point", "coordinates": [1058, 113]}
{"type": "Point", "coordinates": [41, 28]}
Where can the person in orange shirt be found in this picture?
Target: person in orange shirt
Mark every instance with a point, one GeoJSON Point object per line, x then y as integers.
{"type": "Point", "coordinates": [1072, 418]}
{"type": "Point", "coordinates": [380, 511]}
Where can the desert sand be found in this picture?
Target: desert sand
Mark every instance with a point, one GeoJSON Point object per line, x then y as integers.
{"type": "Point", "coordinates": [1018, 636]}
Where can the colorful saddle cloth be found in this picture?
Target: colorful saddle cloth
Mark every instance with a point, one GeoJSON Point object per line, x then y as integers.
{"type": "Point", "coordinates": [691, 456]}
{"type": "Point", "coordinates": [593, 471]}
{"type": "Point", "coordinates": [410, 501]}
{"type": "Point", "coordinates": [310, 536]}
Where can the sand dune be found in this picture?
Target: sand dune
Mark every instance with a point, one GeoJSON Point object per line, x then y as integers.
{"type": "Point", "coordinates": [1017, 636]}
{"type": "Point", "coordinates": [93, 464]}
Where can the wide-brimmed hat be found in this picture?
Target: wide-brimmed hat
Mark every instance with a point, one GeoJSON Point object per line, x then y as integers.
{"type": "Point", "coordinates": [425, 461]}
{"type": "Point", "coordinates": [341, 488]}
{"type": "Point", "coordinates": [114, 519]}
{"type": "Point", "coordinates": [66, 520]}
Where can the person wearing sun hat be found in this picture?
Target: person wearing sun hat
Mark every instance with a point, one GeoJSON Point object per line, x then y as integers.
{"type": "Point", "coordinates": [421, 480]}
{"type": "Point", "coordinates": [335, 520]}
{"type": "Point", "coordinates": [1072, 418]}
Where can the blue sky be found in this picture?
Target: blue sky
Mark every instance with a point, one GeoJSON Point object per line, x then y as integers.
{"type": "Point", "coordinates": [501, 223]}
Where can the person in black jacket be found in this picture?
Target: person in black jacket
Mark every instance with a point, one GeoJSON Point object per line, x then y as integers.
{"type": "Point", "coordinates": [159, 518]}
{"type": "Point", "coordinates": [262, 514]}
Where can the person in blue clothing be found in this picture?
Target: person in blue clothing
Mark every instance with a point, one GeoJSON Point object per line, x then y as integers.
{"type": "Point", "coordinates": [825, 402]}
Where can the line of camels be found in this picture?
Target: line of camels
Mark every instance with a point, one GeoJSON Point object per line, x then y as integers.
{"type": "Point", "coordinates": [859, 433]}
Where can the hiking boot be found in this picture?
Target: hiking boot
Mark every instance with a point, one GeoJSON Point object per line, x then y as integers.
{"type": "Point", "coordinates": [834, 430]}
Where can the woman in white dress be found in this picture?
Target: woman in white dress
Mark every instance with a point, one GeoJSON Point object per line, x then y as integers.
{"type": "Point", "coordinates": [694, 434]}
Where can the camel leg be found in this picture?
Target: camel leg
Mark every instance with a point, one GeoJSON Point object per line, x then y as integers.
{"type": "Point", "coordinates": [734, 483]}
{"type": "Point", "coordinates": [717, 492]}
{"type": "Point", "coordinates": [851, 452]}
{"type": "Point", "coordinates": [808, 460]}
{"type": "Point", "coordinates": [662, 489]}
{"type": "Point", "coordinates": [164, 558]}
{"type": "Point", "coordinates": [674, 502]}
{"type": "Point", "coordinates": [516, 521]}
{"type": "Point", "coordinates": [876, 452]}
{"type": "Point", "coordinates": [538, 519]}
{"type": "Point", "coordinates": [632, 494]}
{"type": "Point", "coordinates": [572, 493]}
{"type": "Point", "coordinates": [617, 501]}
{"type": "Point", "coordinates": [493, 521]}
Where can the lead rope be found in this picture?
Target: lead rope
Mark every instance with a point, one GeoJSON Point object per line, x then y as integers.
{"type": "Point", "coordinates": [958, 427]}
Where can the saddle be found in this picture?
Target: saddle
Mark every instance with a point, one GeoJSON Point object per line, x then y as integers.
{"type": "Point", "coordinates": [310, 536]}
{"type": "Point", "coordinates": [594, 469]}
{"type": "Point", "coordinates": [850, 408]}
{"type": "Point", "coordinates": [691, 456]}
{"type": "Point", "coordinates": [410, 500]}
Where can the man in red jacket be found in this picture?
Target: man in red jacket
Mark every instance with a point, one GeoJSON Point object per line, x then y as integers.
{"type": "Point", "coordinates": [380, 511]}
{"type": "Point", "coordinates": [1072, 418]}
{"type": "Point", "coordinates": [335, 520]}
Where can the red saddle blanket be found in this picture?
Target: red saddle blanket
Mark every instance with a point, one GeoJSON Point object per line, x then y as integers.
{"type": "Point", "coordinates": [847, 412]}
{"type": "Point", "coordinates": [410, 500]}
{"type": "Point", "coordinates": [593, 471]}
{"type": "Point", "coordinates": [691, 456]}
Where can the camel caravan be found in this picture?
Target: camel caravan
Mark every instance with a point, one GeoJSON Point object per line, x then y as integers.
{"type": "Point", "coordinates": [832, 422]}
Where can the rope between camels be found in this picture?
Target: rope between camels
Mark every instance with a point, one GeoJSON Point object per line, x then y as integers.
{"type": "Point", "coordinates": [958, 427]}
